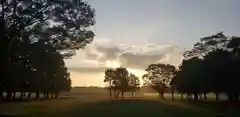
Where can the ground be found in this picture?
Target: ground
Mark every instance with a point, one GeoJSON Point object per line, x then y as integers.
{"type": "Point", "coordinates": [97, 104]}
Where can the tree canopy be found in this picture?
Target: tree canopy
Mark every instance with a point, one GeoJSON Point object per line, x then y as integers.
{"type": "Point", "coordinates": [158, 77]}
{"type": "Point", "coordinates": [121, 80]}
{"type": "Point", "coordinates": [64, 24]}
{"type": "Point", "coordinates": [214, 68]}
{"type": "Point", "coordinates": [36, 35]}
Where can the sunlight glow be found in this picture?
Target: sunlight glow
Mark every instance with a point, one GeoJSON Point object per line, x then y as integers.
{"type": "Point", "coordinates": [112, 64]}
{"type": "Point", "coordinates": [138, 73]}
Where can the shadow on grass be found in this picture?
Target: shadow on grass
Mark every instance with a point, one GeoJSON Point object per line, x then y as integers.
{"type": "Point", "coordinates": [33, 99]}
{"type": "Point", "coordinates": [224, 108]}
{"type": "Point", "coordinates": [144, 108]}
{"type": "Point", "coordinates": [136, 108]}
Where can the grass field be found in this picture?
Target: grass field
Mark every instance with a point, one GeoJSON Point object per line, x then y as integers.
{"type": "Point", "coordinates": [80, 103]}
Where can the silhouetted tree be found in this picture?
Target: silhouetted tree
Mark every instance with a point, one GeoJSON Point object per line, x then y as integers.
{"type": "Point", "coordinates": [159, 76]}
{"type": "Point", "coordinates": [134, 83]}
{"type": "Point", "coordinates": [120, 81]}
{"type": "Point", "coordinates": [189, 77]}
{"type": "Point", "coordinates": [211, 66]}
{"type": "Point", "coordinates": [40, 70]}
{"type": "Point", "coordinates": [207, 44]}
{"type": "Point", "coordinates": [61, 24]}
{"type": "Point", "coordinates": [110, 78]}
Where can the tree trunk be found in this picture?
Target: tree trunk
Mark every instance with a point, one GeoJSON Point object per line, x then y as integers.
{"type": "Point", "coordinates": [132, 93]}
{"type": "Point", "coordinates": [162, 95]}
{"type": "Point", "coordinates": [21, 95]}
{"type": "Point", "coordinates": [37, 95]}
{"type": "Point", "coordinates": [47, 95]}
{"type": "Point", "coordinates": [217, 98]}
{"type": "Point", "coordinates": [230, 97]}
{"type": "Point", "coordinates": [29, 95]}
{"type": "Point", "coordinates": [9, 95]}
{"type": "Point", "coordinates": [172, 95]}
{"type": "Point", "coordinates": [1, 94]}
{"type": "Point", "coordinates": [200, 96]}
{"type": "Point", "coordinates": [51, 95]}
{"type": "Point", "coordinates": [236, 97]}
{"type": "Point", "coordinates": [122, 94]}
{"type": "Point", "coordinates": [4, 60]}
{"type": "Point", "coordinates": [116, 93]}
{"type": "Point", "coordinates": [195, 96]}
{"type": "Point", "coordinates": [44, 95]}
{"type": "Point", "coordinates": [56, 94]}
{"type": "Point", "coordinates": [110, 91]}
{"type": "Point", "coordinates": [182, 96]}
{"type": "Point", "coordinates": [205, 96]}
{"type": "Point", "coordinates": [189, 96]}
{"type": "Point", "coordinates": [14, 95]}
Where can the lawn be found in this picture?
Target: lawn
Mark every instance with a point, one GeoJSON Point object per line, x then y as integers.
{"type": "Point", "coordinates": [98, 105]}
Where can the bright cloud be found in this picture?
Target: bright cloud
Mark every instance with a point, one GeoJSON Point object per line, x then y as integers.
{"type": "Point", "coordinates": [88, 65]}
{"type": "Point", "coordinates": [104, 53]}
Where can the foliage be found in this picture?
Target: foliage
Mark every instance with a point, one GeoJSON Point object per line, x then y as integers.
{"type": "Point", "coordinates": [120, 79]}
{"type": "Point", "coordinates": [63, 24]}
{"type": "Point", "coordinates": [41, 69]}
{"type": "Point", "coordinates": [36, 35]}
{"type": "Point", "coordinates": [216, 69]}
{"type": "Point", "coordinates": [159, 76]}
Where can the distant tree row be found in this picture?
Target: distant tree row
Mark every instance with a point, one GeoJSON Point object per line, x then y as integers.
{"type": "Point", "coordinates": [35, 37]}
{"type": "Point", "coordinates": [35, 68]}
{"type": "Point", "coordinates": [211, 66]}
{"type": "Point", "coordinates": [120, 80]}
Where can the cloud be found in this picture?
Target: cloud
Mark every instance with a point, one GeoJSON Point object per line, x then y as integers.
{"type": "Point", "coordinates": [150, 53]}
{"type": "Point", "coordinates": [87, 69]}
{"type": "Point", "coordinates": [137, 60]}
{"type": "Point", "coordinates": [88, 65]}
{"type": "Point", "coordinates": [103, 53]}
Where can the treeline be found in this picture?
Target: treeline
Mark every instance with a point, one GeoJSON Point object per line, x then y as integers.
{"type": "Point", "coordinates": [35, 38]}
{"type": "Point", "coordinates": [211, 66]}
{"type": "Point", "coordinates": [120, 80]}
{"type": "Point", "coordinates": [35, 68]}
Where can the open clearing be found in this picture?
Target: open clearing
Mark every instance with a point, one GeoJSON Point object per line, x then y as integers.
{"type": "Point", "coordinates": [93, 104]}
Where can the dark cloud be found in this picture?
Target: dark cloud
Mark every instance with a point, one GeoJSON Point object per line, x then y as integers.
{"type": "Point", "coordinates": [108, 53]}
{"type": "Point", "coordinates": [138, 61]}
{"type": "Point", "coordinates": [102, 52]}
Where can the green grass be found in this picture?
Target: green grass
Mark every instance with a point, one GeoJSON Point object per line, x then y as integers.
{"type": "Point", "coordinates": [98, 105]}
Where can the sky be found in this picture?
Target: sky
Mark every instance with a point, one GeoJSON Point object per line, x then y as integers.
{"type": "Point", "coordinates": [136, 33]}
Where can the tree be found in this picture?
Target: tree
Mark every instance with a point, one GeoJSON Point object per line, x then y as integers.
{"type": "Point", "coordinates": [63, 24]}
{"type": "Point", "coordinates": [134, 83]}
{"type": "Point", "coordinates": [120, 80]}
{"type": "Point", "coordinates": [201, 49]}
{"type": "Point", "coordinates": [189, 77]}
{"type": "Point", "coordinates": [159, 76]}
{"type": "Point", "coordinates": [41, 71]}
{"type": "Point", "coordinates": [207, 44]}
{"type": "Point", "coordinates": [110, 78]}
{"type": "Point", "coordinates": [211, 66]}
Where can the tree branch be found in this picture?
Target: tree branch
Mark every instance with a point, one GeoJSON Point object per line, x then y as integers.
{"type": "Point", "coordinates": [2, 3]}
{"type": "Point", "coordinates": [7, 5]}
{"type": "Point", "coordinates": [15, 6]}
{"type": "Point", "coordinates": [35, 15]}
